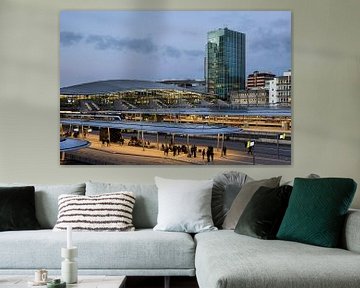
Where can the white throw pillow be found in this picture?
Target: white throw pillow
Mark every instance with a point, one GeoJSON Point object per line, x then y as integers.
{"type": "Point", "coordinates": [184, 205]}
{"type": "Point", "coordinates": [105, 212]}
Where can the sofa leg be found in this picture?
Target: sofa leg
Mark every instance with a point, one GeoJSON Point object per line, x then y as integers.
{"type": "Point", "coordinates": [167, 282]}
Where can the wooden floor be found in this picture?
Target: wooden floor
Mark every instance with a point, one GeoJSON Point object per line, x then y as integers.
{"type": "Point", "coordinates": [158, 282]}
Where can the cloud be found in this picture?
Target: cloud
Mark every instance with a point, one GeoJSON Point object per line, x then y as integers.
{"type": "Point", "coordinates": [267, 39]}
{"type": "Point", "coordinates": [138, 45]}
{"type": "Point", "coordinates": [281, 23]}
{"type": "Point", "coordinates": [70, 38]}
{"type": "Point", "coordinates": [194, 53]}
{"type": "Point", "coordinates": [172, 52]}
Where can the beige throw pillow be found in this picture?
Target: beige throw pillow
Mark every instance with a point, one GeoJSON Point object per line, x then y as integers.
{"type": "Point", "coordinates": [243, 198]}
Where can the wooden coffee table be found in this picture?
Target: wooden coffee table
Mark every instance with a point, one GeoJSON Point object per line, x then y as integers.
{"type": "Point", "coordinates": [83, 282]}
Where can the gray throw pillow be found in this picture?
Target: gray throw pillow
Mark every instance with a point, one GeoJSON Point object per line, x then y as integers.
{"type": "Point", "coordinates": [310, 176]}
{"type": "Point", "coordinates": [226, 187]}
{"type": "Point", "coordinates": [242, 199]}
{"type": "Point", "coordinates": [184, 205]}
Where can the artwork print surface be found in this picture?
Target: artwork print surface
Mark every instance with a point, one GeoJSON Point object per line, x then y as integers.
{"type": "Point", "coordinates": [175, 87]}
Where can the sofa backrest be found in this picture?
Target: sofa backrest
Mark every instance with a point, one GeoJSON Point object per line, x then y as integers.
{"type": "Point", "coordinates": [46, 200]}
{"type": "Point", "coordinates": [146, 203]}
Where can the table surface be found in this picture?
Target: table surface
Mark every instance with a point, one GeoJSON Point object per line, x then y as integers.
{"type": "Point", "coordinates": [84, 281]}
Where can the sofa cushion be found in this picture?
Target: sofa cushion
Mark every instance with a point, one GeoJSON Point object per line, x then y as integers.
{"type": "Point", "coordinates": [142, 249]}
{"type": "Point", "coordinates": [225, 189]}
{"type": "Point", "coordinates": [146, 205]}
{"type": "Point", "coordinates": [263, 215]}
{"type": "Point", "coordinates": [184, 205]}
{"type": "Point", "coordinates": [350, 239]}
{"type": "Point", "coordinates": [17, 208]}
{"type": "Point", "coordinates": [243, 198]}
{"type": "Point", "coordinates": [46, 200]}
{"type": "Point", "coordinates": [105, 212]}
{"type": "Point", "coordinates": [317, 209]}
{"type": "Point", "coordinates": [225, 259]}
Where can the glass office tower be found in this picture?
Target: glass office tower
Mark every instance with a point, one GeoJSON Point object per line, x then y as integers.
{"type": "Point", "coordinates": [225, 62]}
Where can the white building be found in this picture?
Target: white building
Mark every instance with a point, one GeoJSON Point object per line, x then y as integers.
{"type": "Point", "coordinates": [270, 85]}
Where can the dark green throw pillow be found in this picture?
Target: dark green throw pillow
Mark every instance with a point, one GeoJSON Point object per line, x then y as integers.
{"type": "Point", "coordinates": [263, 214]}
{"type": "Point", "coordinates": [316, 211]}
{"type": "Point", "coordinates": [17, 208]}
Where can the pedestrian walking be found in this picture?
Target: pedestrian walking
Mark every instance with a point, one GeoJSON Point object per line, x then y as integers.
{"type": "Point", "coordinates": [203, 153]}
{"type": "Point", "coordinates": [224, 150]}
{"type": "Point", "coordinates": [249, 146]}
{"type": "Point", "coordinates": [208, 154]}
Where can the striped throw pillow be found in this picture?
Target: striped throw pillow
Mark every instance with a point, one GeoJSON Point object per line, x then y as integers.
{"type": "Point", "coordinates": [105, 212]}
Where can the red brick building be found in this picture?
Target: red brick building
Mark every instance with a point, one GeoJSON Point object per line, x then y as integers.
{"type": "Point", "coordinates": [257, 79]}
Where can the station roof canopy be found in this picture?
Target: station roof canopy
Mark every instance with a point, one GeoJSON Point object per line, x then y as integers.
{"type": "Point", "coordinates": [69, 144]}
{"type": "Point", "coordinates": [270, 112]}
{"type": "Point", "coordinates": [111, 86]}
{"type": "Point", "coordinates": [162, 127]}
{"type": "Point", "coordinates": [266, 112]}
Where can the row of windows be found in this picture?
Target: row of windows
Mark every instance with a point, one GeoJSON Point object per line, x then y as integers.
{"type": "Point", "coordinates": [284, 94]}
{"type": "Point", "coordinates": [284, 87]}
{"type": "Point", "coordinates": [284, 81]}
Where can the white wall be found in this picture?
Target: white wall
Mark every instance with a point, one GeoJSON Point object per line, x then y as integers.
{"type": "Point", "coordinates": [326, 102]}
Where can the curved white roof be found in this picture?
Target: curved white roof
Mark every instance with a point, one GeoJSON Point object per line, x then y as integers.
{"type": "Point", "coordinates": [70, 144]}
{"type": "Point", "coordinates": [109, 86]}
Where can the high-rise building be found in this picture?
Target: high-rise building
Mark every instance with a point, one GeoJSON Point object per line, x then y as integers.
{"type": "Point", "coordinates": [225, 62]}
{"type": "Point", "coordinates": [257, 79]}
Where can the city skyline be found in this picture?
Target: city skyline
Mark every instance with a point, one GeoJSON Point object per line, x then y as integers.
{"type": "Point", "coordinates": [154, 45]}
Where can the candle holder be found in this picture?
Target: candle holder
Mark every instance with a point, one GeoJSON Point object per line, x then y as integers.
{"type": "Point", "coordinates": [69, 271]}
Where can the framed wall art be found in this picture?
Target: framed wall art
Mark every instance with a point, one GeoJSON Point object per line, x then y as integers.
{"type": "Point", "coordinates": [175, 87]}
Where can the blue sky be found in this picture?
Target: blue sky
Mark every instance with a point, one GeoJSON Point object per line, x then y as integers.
{"type": "Point", "coordinates": [157, 45]}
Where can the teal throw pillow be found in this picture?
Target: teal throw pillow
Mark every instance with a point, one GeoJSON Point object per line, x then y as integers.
{"type": "Point", "coordinates": [316, 211]}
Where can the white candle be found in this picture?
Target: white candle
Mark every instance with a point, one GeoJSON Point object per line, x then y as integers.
{"type": "Point", "coordinates": [69, 237]}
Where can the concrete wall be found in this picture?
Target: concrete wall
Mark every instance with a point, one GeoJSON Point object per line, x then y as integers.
{"type": "Point", "coordinates": [326, 70]}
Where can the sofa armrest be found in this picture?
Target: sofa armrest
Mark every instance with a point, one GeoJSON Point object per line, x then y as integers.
{"type": "Point", "coordinates": [351, 234]}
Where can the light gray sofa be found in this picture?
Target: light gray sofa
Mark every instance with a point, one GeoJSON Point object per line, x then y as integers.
{"type": "Point", "coordinates": [143, 252]}
{"type": "Point", "coordinates": [226, 259]}
{"type": "Point", "coordinates": [220, 259]}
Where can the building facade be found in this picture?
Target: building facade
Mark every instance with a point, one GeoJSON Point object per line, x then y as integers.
{"type": "Point", "coordinates": [280, 89]}
{"type": "Point", "coordinates": [225, 62]}
{"type": "Point", "coordinates": [258, 79]}
{"type": "Point", "coordinates": [250, 97]}
{"type": "Point", "coordinates": [270, 85]}
{"type": "Point", "coordinates": [283, 87]}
